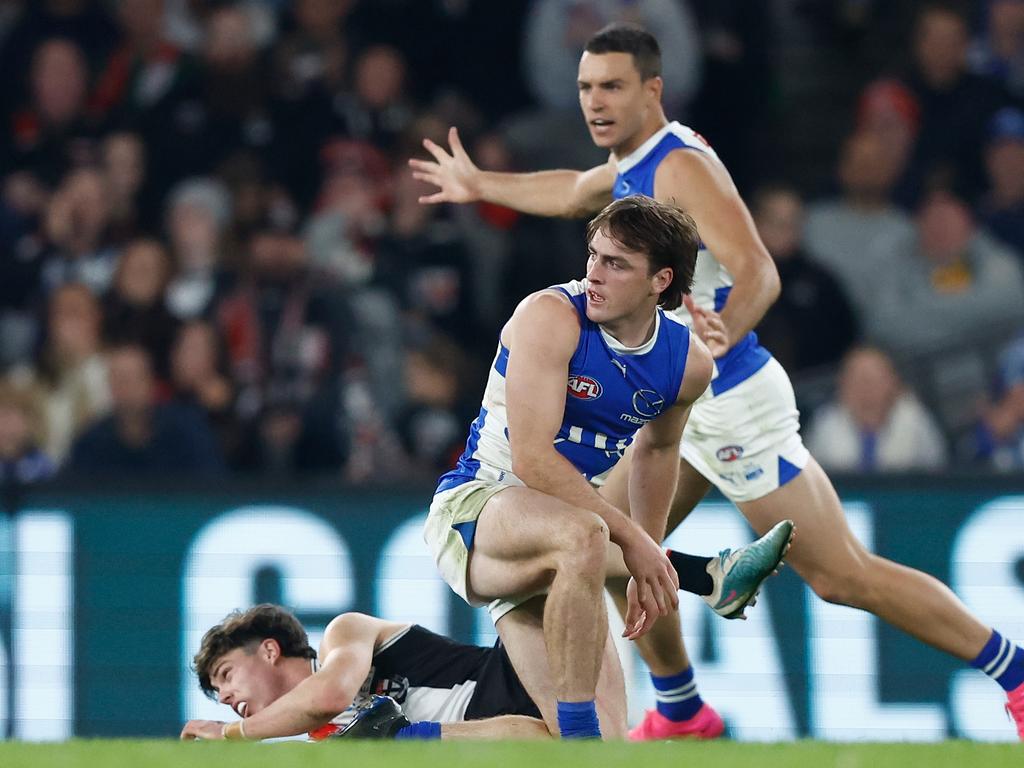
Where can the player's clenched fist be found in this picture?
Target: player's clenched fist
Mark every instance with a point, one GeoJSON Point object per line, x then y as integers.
{"type": "Point", "coordinates": [202, 729]}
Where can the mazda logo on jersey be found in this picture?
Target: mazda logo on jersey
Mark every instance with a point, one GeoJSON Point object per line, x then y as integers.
{"type": "Point", "coordinates": [648, 403]}
{"type": "Point", "coordinates": [729, 453]}
{"type": "Point", "coordinates": [584, 387]}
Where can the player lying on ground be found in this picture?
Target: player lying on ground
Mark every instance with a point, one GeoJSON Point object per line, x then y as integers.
{"type": "Point", "coordinates": [259, 663]}
{"type": "Point", "coordinates": [743, 435]}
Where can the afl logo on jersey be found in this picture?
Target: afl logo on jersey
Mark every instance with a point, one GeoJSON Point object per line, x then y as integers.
{"type": "Point", "coordinates": [729, 453]}
{"type": "Point", "coordinates": [584, 387]}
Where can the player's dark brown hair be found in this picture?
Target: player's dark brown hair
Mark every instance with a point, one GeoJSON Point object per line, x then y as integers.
{"type": "Point", "coordinates": [633, 39]}
{"type": "Point", "coordinates": [666, 234]}
{"type": "Point", "coordinates": [247, 629]}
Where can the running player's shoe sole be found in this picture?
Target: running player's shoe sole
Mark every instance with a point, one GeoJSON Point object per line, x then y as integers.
{"type": "Point", "coordinates": [737, 575]}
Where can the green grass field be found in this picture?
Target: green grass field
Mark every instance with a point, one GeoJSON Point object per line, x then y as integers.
{"type": "Point", "coordinates": [807, 754]}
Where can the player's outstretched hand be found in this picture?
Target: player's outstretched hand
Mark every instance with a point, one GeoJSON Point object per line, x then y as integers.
{"type": "Point", "coordinates": [202, 729]}
{"type": "Point", "coordinates": [653, 586]}
{"type": "Point", "coordinates": [455, 175]}
{"type": "Point", "coordinates": [708, 326]}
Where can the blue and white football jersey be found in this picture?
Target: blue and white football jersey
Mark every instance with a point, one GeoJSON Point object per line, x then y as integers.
{"type": "Point", "coordinates": [711, 281]}
{"type": "Point", "coordinates": [611, 392]}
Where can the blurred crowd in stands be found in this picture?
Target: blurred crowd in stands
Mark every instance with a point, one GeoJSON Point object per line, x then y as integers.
{"type": "Point", "coordinates": [213, 258]}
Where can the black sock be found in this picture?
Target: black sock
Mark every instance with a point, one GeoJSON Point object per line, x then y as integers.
{"type": "Point", "coordinates": [693, 572]}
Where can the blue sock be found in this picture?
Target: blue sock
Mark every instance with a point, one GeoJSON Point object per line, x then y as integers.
{"type": "Point", "coordinates": [677, 695]}
{"type": "Point", "coordinates": [424, 729]}
{"type": "Point", "coordinates": [578, 720]}
{"type": "Point", "coordinates": [1002, 661]}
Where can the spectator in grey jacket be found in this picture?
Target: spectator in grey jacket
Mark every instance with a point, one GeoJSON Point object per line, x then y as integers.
{"type": "Point", "coordinates": [859, 236]}
{"type": "Point", "coordinates": [958, 287]}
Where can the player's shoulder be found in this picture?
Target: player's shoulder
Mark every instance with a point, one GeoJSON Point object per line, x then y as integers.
{"type": "Point", "coordinates": [546, 320]}
{"type": "Point", "coordinates": [551, 305]}
{"type": "Point", "coordinates": [354, 627]}
{"type": "Point", "coordinates": [351, 623]}
{"type": "Point", "coordinates": [687, 160]}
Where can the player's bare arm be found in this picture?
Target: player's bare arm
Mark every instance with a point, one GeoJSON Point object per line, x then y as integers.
{"type": "Point", "coordinates": [655, 466]}
{"type": "Point", "coordinates": [702, 187]}
{"type": "Point", "coordinates": [565, 193]}
{"type": "Point", "coordinates": [541, 338]}
{"type": "Point", "coordinates": [346, 653]}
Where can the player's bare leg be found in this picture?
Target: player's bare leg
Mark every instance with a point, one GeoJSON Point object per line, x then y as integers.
{"type": "Point", "coordinates": [522, 632]}
{"type": "Point", "coordinates": [661, 648]}
{"type": "Point", "coordinates": [505, 727]}
{"type": "Point", "coordinates": [841, 570]}
{"type": "Point", "coordinates": [528, 542]}
{"type": "Point", "coordinates": [732, 581]}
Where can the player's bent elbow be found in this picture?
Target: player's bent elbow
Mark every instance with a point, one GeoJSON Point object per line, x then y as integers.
{"type": "Point", "coordinates": [770, 280]}
{"type": "Point", "coordinates": [329, 703]}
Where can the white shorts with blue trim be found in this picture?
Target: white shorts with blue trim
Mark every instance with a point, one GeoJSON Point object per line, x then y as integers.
{"type": "Point", "coordinates": [746, 440]}
{"type": "Point", "coordinates": [449, 532]}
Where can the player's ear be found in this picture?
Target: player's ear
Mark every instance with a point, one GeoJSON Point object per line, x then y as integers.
{"type": "Point", "coordinates": [662, 279]}
{"type": "Point", "coordinates": [270, 650]}
{"type": "Point", "coordinates": [654, 86]}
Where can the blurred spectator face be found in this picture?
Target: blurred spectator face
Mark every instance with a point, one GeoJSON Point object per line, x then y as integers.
{"type": "Point", "coordinates": [321, 18]}
{"type": "Point", "coordinates": [408, 215]}
{"type": "Point", "coordinates": [380, 76]}
{"type": "Point", "coordinates": [944, 228]}
{"type": "Point", "coordinates": [24, 193]}
{"type": "Point", "coordinates": [868, 387]}
{"type": "Point", "coordinates": [1005, 162]}
{"type": "Point", "coordinates": [940, 46]}
{"type": "Point", "coordinates": [80, 210]}
{"type": "Point", "coordinates": [130, 375]}
{"type": "Point", "coordinates": [277, 256]}
{"type": "Point", "coordinates": [866, 168]}
{"type": "Point", "coordinates": [124, 165]}
{"type": "Point", "coordinates": [230, 44]}
{"type": "Point", "coordinates": [1004, 155]}
{"type": "Point", "coordinates": [74, 323]}
{"type": "Point", "coordinates": [889, 110]}
{"type": "Point", "coordinates": [492, 153]}
{"type": "Point", "coordinates": [1006, 28]}
{"type": "Point", "coordinates": [194, 234]}
{"type": "Point", "coordinates": [142, 273]}
{"type": "Point", "coordinates": [357, 181]}
{"type": "Point", "coordinates": [59, 80]}
{"type": "Point", "coordinates": [779, 220]}
{"type": "Point", "coordinates": [194, 356]}
{"type": "Point", "coordinates": [15, 428]}
{"type": "Point", "coordinates": [428, 383]}
{"type": "Point", "coordinates": [141, 20]}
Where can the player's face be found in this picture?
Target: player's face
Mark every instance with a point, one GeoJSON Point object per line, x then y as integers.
{"type": "Point", "coordinates": [619, 283]}
{"type": "Point", "coordinates": [614, 100]}
{"type": "Point", "coordinates": [246, 681]}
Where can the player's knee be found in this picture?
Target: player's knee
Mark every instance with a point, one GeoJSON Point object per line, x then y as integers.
{"type": "Point", "coordinates": [583, 546]}
{"type": "Point", "coordinates": [830, 588]}
{"type": "Point", "coordinates": [848, 586]}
